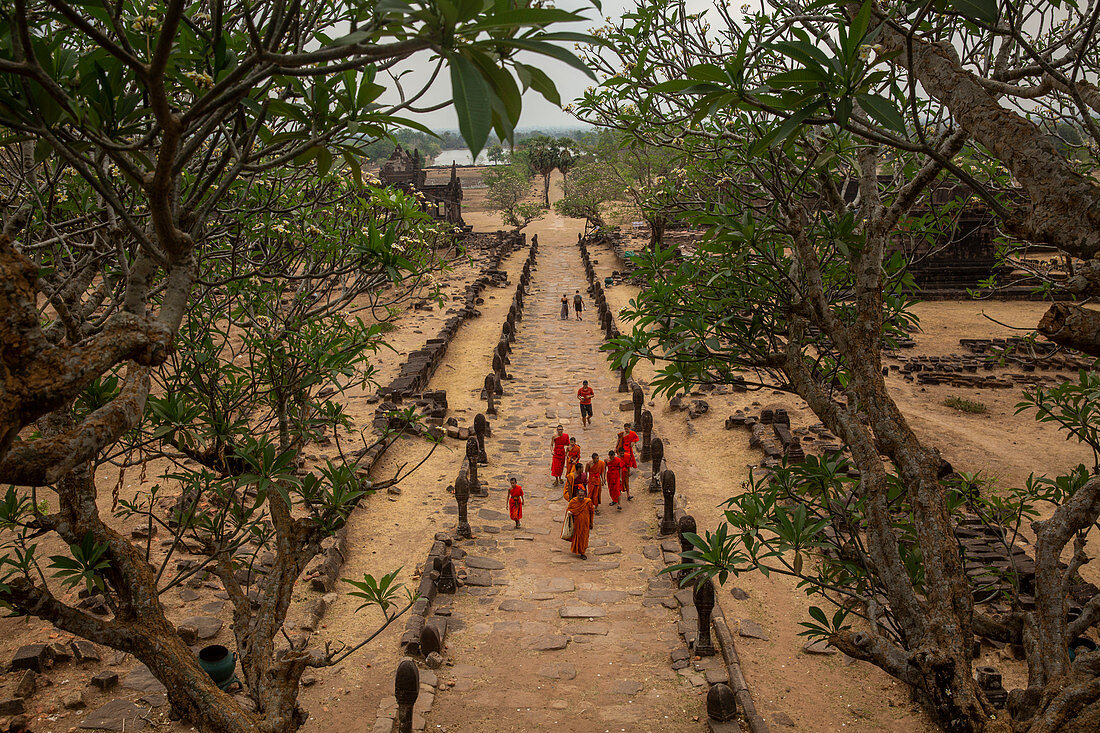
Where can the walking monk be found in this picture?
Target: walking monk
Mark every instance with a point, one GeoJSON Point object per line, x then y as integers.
{"type": "Point", "coordinates": [627, 439]}
{"type": "Point", "coordinates": [515, 502]}
{"type": "Point", "coordinates": [570, 484]}
{"type": "Point", "coordinates": [558, 445]}
{"type": "Point", "coordinates": [614, 474]}
{"type": "Point", "coordinates": [583, 512]}
{"type": "Point", "coordinates": [572, 455]}
{"type": "Point", "coordinates": [595, 469]}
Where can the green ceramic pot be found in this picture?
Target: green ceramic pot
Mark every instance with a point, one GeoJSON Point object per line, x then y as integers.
{"type": "Point", "coordinates": [219, 663]}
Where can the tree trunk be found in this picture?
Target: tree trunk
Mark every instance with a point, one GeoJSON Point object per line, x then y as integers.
{"type": "Point", "coordinates": [546, 188]}
{"type": "Point", "coordinates": [656, 230]}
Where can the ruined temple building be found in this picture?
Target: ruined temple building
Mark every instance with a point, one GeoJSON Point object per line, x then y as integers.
{"type": "Point", "coordinates": [406, 171]}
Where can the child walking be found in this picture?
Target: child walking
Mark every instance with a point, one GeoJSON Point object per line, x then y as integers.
{"type": "Point", "coordinates": [515, 502]}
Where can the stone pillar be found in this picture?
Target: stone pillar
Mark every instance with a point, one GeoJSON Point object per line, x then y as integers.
{"type": "Point", "coordinates": [703, 595]}
{"type": "Point", "coordinates": [448, 581]}
{"type": "Point", "coordinates": [406, 688]}
{"type": "Point", "coordinates": [721, 703]}
{"type": "Point", "coordinates": [656, 454]}
{"type": "Point", "coordinates": [647, 435]}
{"type": "Point", "coordinates": [462, 496]}
{"type": "Point", "coordinates": [490, 389]}
{"type": "Point", "coordinates": [686, 525]}
{"type": "Point", "coordinates": [668, 486]}
{"type": "Point", "coordinates": [480, 427]}
{"type": "Point", "coordinates": [472, 450]}
{"type": "Point", "coordinates": [498, 366]}
{"type": "Point", "coordinates": [622, 381]}
{"type": "Point", "coordinates": [638, 397]}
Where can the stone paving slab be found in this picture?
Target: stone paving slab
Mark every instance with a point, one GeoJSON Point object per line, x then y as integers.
{"type": "Point", "coordinates": [568, 645]}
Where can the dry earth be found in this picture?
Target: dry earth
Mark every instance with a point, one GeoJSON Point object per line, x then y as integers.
{"type": "Point", "coordinates": [499, 681]}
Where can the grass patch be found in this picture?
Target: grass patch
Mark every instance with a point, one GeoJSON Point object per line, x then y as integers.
{"type": "Point", "coordinates": [965, 405]}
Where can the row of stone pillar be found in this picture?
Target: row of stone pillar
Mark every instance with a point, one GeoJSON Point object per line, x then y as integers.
{"type": "Point", "coordinates": [493, 386]}
{"type": "Point", "coordinates": [721, 701]}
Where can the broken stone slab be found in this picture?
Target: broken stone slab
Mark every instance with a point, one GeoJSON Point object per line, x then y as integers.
{"type": "Point", "coordinates": [479, 578]}
{"type": "Point", "coordinates": [739, 594]}
{"type": "Point", "coordinates": [31, 656]}
{"type": "Point", "coordinates": [117, 715]}
{"type": "Point", "coordinates": [484, 563]}
{"type": "Point", "coordinates": [548, 643]}
{"type": "Point", "coordinates": [142, 680]}
{"type": "Point", "coordinates": [200, 627]}
{"type": "Point", "coordinates": [555, 585]}
{"type": "Point", "coordinates": [514, 604]}
{"type": "Point", "coordinates": [105, 680]}
{"type": "Point", "coordinates": [751, 630]}
{"type": "Point", "coordinates": [582, 612]}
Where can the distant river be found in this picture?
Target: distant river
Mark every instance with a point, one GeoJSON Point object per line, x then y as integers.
{"type": "Point", "coordinates": [459, 156]}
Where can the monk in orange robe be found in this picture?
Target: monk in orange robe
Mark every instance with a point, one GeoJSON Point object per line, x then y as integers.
{"type": "Point", "coordinates": [583, 513]}
{"type": "Point", "coordinates": [572, 455]}
{"type": "Point", "coordinates": [614, 475]}
{"type": "Point", "coordinates": [515, 502]}
{"type": "Point", "coordinates": [627, 439]}
{"type": "Point", "coordinates": [570, 484]}
{"type": "Point", "coordinates": [595, 469]}
{"type": "Point", "coordinates": [558, 445]}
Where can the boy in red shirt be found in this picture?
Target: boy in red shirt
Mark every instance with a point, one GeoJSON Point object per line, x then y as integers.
{"type": "Point", "coordinates": [584, 394]}
{"type": "Point", "coordinates": [515, 502]}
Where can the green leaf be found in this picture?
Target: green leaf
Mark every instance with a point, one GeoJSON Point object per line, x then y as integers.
{"type": "Point", "coordinates": [985, 11]}
{"type": "Point", "coordinates": [883, 111]}
{"type": "Point", "coordinates": [472, 103]}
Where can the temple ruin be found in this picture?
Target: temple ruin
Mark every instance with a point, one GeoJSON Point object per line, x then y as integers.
{"type": "Point", "coordinates": [406, 171]}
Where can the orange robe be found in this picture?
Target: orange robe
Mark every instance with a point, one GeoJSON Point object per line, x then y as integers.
{"type": "Point", "coordinates": [583, 512]}
{"type": "Point", "coordinates": [515, 506]}
{"type": "Point", "coordinates": [572, 458]}
{"type": "Point", "coordinates": [614, 468]}
{"type": "Point", "coordinates": [561, 442]}
{"type": "Point", "coordinates": [595, 481]}
{"type": "Point", "coordinates": [567, 489]}
{"type": "Point", "coordinates": [629, 439]}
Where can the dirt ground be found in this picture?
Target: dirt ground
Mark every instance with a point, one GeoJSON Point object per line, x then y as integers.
{"type": "Point", "coordinates": [814, 692]}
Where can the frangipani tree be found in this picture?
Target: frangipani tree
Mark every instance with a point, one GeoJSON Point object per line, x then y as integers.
{"type": "Point", "coordinates": [806, 145]}
{"type": "Point", "coordinates": [170, 178]}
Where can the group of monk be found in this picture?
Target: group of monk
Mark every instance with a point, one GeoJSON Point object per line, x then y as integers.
{"type": "Point", "coordinates": [583, 484]}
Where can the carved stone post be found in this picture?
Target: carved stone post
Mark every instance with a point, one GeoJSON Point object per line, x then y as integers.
{"type": "Point", "coordinates": [622, 381]}
{"type": "Point", "coordinates": [462, 496]}
{"type": "Point", "coordinates": [656, 454]}
{"type": "Point", "coordinates": [638, 397]}
{"type": "Point", "coordinates": [721, 703]}
{"type": "Point", "coordinates": [490, 389]}
{"type": "Point", "coordinates": [686, 525]}
{"type": "Point", "coordinates": [668, 486]}
{"type": "Point", "coordinates": [406, 688]}
{"type": "Point", "coordinates": [480, 426]}
{"type": "Point", "coordinates": [498, 366]}
{"type": "Point", "coordinates": [472, 450]}
{"type": "Point", "coordinates": [647, 435]}
{"type": "Point", "coordinates": [448, 581]}
{"type": "Point", "coordinates": [703, 595]}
